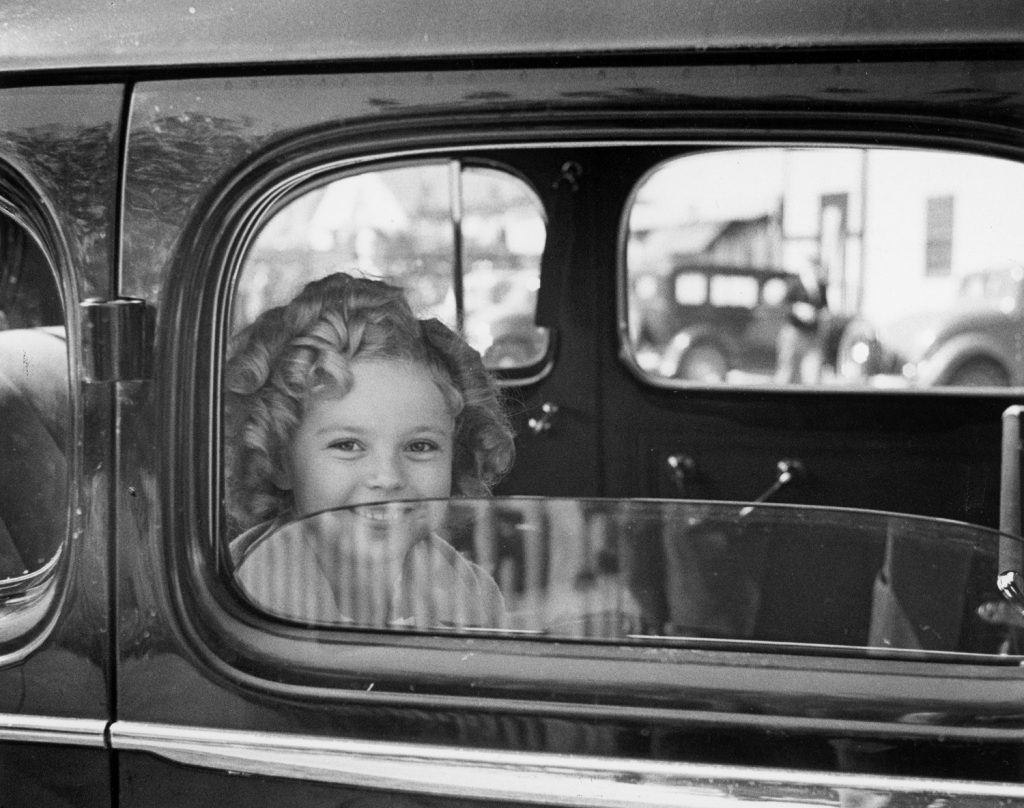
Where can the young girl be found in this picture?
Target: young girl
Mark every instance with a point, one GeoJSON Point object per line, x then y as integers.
{"type": "Point", "coordinates": [343, 398]}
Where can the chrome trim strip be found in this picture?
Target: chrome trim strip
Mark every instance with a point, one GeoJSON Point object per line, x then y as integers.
{"type": "Point", "coordinates": [540, 778]}
{"type": "Point", "coordinates": [47, 729]}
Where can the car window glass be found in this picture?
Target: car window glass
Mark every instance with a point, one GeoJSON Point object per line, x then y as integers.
{"type": "Point", "coordinates": [882, 269]}
{"type": "Point", "coordinates": [653, 572]}
{"type": "Point", "coordinates": [34, 410]}
{"type": "Point", "coordinates": [691, 288]}
{"type": "Point", "coordinates": [773, 292]}
{"type": "Point", "coordinates": [734, 290]}
{"type": "Point", "coordinates": [464, 241]}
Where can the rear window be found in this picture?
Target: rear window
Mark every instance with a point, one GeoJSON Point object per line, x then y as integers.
{"type": "Point", "coordinates": [463, 240]}
{"type": "Point", "coordinates": [873, 256]}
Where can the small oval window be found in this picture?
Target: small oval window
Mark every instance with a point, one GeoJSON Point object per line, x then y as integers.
{"type": "Point", "coordinates": [464, 241]}
{"type": "Point", "coordinates": [34, 410]}
{"type": "Point", "coordinates": [829, 267]}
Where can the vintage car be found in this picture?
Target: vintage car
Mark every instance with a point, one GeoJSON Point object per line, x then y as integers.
{"type": "Point", "coordinates": [702, 321]}
{"type": "Point", "coordinates": [716, 322]}
{"type": "Point", "coordinates": [687, 591]}
{"type": "Point", "coordinates": [972, 342]}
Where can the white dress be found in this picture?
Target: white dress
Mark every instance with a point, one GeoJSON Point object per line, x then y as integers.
{"type": "Point", "coordinates": [312, 571]}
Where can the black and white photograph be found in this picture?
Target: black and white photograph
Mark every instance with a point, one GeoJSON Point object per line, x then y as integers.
{"type": "Point", "coordinates": [428, 403]}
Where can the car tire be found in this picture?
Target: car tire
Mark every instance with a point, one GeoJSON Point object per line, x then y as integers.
{"type": "Point", "coordinates": [857, 356]}
{"type": "Point", "coordinates": [704, 362]}
{"type": "Point", "coordinates": [979, 372]}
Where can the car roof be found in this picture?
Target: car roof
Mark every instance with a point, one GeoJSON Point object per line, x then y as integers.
{"type": "Point", "coordinates": [61, 35]}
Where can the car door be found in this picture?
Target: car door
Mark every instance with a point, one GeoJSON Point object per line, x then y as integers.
{"type": "Point", "coordinates": [189, 196]}
{"type": "Point", "coordinates": [58, 175]}
{"type": "Point", "coordinates": [220, 700]}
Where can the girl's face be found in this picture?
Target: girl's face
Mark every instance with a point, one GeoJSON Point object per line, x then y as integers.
{"type": "Point", "coordinates": [390, 437]}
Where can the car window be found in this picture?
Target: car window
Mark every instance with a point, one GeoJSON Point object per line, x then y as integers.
{"type": "Point", "coordinates": [463, 240]}
{"type": "Point", "coordinates": [734, 290]}
{"type": "Point", "coordinates": [691, 288]}
{"type": "Point", "coordinates": [999, 288]}
{"type": "Point", "coordinates": [888, 269]}
{"type": "Point", "coordinates": [644, 572]}
{"type": "Point", "coordinates": [34, 410]}
{"type": "Point", "coordinates": [464, 244]}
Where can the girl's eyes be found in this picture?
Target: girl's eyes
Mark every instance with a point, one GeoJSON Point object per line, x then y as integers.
{"type": "Point", "coordinates": [346, 445]}
{"type": "Point", "coordinates": [415, 447]}
{"type": "Point", "coordinates": [423, 446]}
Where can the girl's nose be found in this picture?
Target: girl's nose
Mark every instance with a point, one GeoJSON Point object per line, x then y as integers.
{"type": "Point", "coordinates": [386, 475]}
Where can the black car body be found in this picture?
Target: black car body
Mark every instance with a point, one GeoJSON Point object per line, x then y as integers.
{"type": "Point", "coordinates": [848, 645]}
{"type": "Point", "coordinates": [705, 321]}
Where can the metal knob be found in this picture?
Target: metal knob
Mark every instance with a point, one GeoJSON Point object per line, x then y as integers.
{"type": "Point", "coordinates": [681, 468]}
{"type": "Point", "coordinates": [543, 424]}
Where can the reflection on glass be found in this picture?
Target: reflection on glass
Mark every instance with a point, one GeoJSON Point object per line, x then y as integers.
{"type": "Point", "coordinates": [653, 572]}
{"type": "Point", "coordinates": [369, 565]}
{"type": "Point", "coordinates": [34, 411]}
{"type": "Point", "coordinates": [425, 227]}
{"type": "Point", "coordinates": [838, 267]}
{"type": "Point", "coordinates": [503, 238]}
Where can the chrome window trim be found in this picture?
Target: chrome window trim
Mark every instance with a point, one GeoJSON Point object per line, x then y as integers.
{"type": "Point", "coordinates": [53, 730]}
{"type": "Point", "coordinates": [542, 778]}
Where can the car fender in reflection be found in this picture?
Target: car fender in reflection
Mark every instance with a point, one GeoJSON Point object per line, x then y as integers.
{"type": "Point", "coordinates": [941, 365]}
{"type": "Point", "coordinates": [685, 343]}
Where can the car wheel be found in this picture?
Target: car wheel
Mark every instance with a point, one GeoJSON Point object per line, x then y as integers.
{"type": "Point", "coordinates": [979, 373]}
{"type": "Point", "coordinates": [704, 363]}
{"type": "Point", "coordinates": [857, 356]}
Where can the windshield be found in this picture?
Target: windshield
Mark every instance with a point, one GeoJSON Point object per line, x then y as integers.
{"type": "Point", "coordinates": [700, 574]}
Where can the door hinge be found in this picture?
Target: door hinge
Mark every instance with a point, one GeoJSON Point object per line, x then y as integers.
{"type": "Point", "coordinates": [117, 339]}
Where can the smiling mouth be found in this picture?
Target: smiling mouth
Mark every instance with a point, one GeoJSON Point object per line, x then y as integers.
{"type": "Point", "coordinates": [389, 513]}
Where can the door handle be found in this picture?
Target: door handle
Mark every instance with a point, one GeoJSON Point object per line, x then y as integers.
{"type": "Point", "coordinates": [788, 471]}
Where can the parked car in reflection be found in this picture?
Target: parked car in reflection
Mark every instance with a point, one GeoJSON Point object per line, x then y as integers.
{"type": "Point", "coordinates": [499, 320]}
{"type": "Point", "coordinates": [710, 322]}
{"type": "Point", "coordinates": [974, 341]}
{"type": "Point", "coordinates": [702, 321]}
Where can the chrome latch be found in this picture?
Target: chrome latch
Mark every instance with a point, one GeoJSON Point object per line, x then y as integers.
{"type": "Point", "coordinates": [117, 340]}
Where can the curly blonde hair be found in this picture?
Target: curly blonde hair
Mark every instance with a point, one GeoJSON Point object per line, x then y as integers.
{"type": "Point", "coordinates": [307, 347]}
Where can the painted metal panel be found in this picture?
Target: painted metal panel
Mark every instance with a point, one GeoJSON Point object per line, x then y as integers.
{"type": "Point", "coordinates": [68, 34]}
{"type": "Point", "coordinates": [59, 159]}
